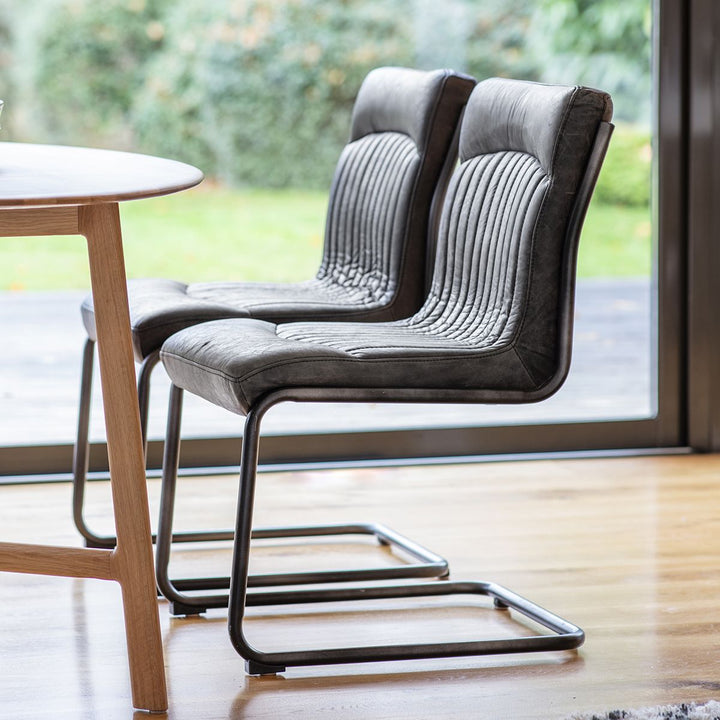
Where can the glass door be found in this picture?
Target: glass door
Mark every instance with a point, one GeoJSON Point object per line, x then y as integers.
{"type": "Point", "coordinates": [184, 96]}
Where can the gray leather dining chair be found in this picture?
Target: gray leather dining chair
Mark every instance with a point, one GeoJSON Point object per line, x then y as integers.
{"type": "Point", "coordinates": [402, 147]}
{"type": "Point", "coordinates": [496, 327]}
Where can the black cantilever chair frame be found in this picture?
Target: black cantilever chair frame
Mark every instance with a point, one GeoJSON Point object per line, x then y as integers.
{"type": "Point", "coordinates": [565, 635]}
{"type": "Point", "coordinates": [191, 596]}
{"type": "Point", "coordinates": [239, 366]}
{"type": "Point", "coordinates": [402, 148]}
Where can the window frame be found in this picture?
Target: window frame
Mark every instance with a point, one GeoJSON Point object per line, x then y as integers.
{"type": "Point", "coordinates": [676, 194]}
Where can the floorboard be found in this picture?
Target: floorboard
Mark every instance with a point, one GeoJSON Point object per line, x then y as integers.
{"type": "Point", "coordinates": [627, 548]}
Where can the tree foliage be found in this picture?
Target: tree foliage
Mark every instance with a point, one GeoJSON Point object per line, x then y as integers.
{"type": "Point", "coordinates": [602, 43]}
{"type": "Point", "coordinates": [6, 78]}
{"type": "Point", "coordinates": [265, 88]}
{"type": "Point", "coordinates": [259, 92]}
{"type": "Point", "coordinates": [90, 63]}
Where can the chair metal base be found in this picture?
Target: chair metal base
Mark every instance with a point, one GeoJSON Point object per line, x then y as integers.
{"type": "Point", "coordinates": [81, 451]}
{"type": "Point", "coordinates": [427, 564]}
{"type": "Point", "coordinates": [566, 636]}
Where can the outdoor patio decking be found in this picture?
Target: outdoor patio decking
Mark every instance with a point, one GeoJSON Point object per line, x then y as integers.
{"type": "Point", "coordinates": [43, 336]}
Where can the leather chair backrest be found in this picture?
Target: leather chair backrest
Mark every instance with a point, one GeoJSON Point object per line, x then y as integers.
{"type": "Point", "coordinates": [403, 127]}
{"type": "Point", "coordinates": [524, 150]}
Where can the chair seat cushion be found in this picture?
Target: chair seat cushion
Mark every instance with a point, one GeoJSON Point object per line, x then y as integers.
{"type": "Point", "coordinates": [160, 307]}
{"type": "Point", "coordinates": [401, 145]}
{"type": "Point", "coordinates": [233, 363]}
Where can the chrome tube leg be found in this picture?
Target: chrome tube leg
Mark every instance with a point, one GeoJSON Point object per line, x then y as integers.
{"type": "Point", "coordinates": [81, 453]}
{"type": "Point", "coordinates": [241, 550]}
{"type": "Point", "coordinates": [180, 604]}
{"type": "Point", "coordinates": [565, 635]}
{"type": "Point", "coordinates": [143, 388]}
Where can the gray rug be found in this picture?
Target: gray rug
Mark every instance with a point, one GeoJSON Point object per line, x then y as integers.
{"type": "Point", "coordinates": [690, 711]}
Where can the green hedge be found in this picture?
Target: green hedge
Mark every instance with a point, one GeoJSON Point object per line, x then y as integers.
{"type": "Point", "coordinates": [259, 92]}
{"type": "Point", "coordinates": [90, 65]}
{"type": "Point", "coordinates": [6, 58]}
{"type": "Point", "coordinates": [262, 92]}
{"type": "Point", "coordinates": [256, 92]}
{"type": "Point", "coordinates": [626, 172]}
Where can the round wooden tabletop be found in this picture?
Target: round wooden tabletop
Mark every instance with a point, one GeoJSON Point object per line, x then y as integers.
{"type": "Point", "coordinates": [35, 175]}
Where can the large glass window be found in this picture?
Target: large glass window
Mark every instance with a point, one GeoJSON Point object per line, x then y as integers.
{"type": "Point", "coordinates": [258, 94]}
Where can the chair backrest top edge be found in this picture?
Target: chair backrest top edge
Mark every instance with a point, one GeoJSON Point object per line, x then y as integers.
{"type": "Point", "coordinates": [524, 116]}
{"type": "Point", "coordinates": [398, 99]}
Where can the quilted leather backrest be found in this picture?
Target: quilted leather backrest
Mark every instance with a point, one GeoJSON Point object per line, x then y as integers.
{"type": "Point", "coordinates": [403, 126]}
{"type": "Point", "coordinates": [524, 149]}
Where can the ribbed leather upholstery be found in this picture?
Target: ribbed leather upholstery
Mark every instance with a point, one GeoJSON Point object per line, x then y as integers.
{"type": "Point", "coordinates": [374, 256]}
{"type": "Point", "coordinates": [491, 320]}
{"type": "Point", "coordinates": [364, 234]}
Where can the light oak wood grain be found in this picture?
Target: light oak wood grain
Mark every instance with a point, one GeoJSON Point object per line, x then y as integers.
{"type": "Point", "coordinates": [132, 558]}
{"type": "Point", "coordinates": [53, 560]}
{"type": "Point", "coordinates": [24, 222]}
{"type": "Point", "coordinates": [59, 175]}
{"type": "Point", "coordinates": [627, 548]}
{"type": "Point", "coordinates": [52, 190]}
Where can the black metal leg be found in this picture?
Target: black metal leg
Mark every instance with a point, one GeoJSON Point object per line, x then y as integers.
{"type": "Point", "coordinates": [143, 386]}
{"type": "Point", "coordinates": [565, 635]}
{"type": "Point", "coordinates": [171, 458]}
{"type": "Point", "coordinates": [429, 564]}
{"type": "Point", "coordinates": [182, 603]}
{"type": "Point", "coordinates": [255, 661]}
{"type": "Point", "coordinates": [81, 451]}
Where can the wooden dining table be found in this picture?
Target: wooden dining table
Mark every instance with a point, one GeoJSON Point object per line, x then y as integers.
{"type": "Point", "coordinates": [58, 190]}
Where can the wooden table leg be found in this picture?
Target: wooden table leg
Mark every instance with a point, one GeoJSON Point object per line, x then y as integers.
{"type": "Point", "coordinates": [133, 558]}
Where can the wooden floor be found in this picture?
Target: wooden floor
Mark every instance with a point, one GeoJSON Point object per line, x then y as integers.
{"type": "Point", "coordinates": [629, 549]}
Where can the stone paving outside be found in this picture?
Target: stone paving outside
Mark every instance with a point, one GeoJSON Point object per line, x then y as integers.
{"type": "Point", "coordinates": [43, 338]}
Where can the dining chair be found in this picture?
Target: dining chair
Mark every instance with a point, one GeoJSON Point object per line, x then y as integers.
{"type": "Point", "coordinates": [392, 172]}
{"type": "Point", "coordinates": [496, 327]}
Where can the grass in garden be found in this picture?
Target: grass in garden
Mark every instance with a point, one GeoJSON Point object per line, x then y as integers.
{"type": "Point", "coordinates": [209, 233]}
{"type": "Point", "coordinates": [213, 233]}
{"type": "Point", "coordinates": [616, 242]}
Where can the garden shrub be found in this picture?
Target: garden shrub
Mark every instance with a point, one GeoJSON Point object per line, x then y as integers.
{"type": "Point", "coordinates": [626, 172]}
{"type": "Point", "coordinates": [600, 43]}
{"type": "Point", "coordinates": [267, 86]}
{"type": "Point", "coordinates": [6, 79]}
{"type": "Point", "coordinates": [259, 92]}
{"type": "Point", "coordinates": [89, 65]}
{"type": "Point", "coordinates": [498, 39]}
{"type": "Point", "coordinates": [167, 113]}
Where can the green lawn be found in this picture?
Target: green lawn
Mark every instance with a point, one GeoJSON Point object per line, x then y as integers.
{"type": "Point", "coordinates": [616, 241]}
{"type": "Point", "coordinates": [216, 233]}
